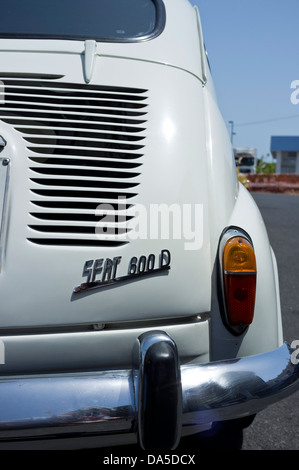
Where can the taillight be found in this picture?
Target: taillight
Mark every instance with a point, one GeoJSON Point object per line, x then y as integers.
{"type": "Point", "coordinates": [238, 279]}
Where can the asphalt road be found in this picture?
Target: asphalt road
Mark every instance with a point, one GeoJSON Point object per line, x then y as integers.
{"type": "Point", "coordinates": [277, 427]}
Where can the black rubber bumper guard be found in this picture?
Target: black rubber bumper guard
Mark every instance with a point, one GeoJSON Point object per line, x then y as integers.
{"type": "Point", "coordinates": [160, 405]}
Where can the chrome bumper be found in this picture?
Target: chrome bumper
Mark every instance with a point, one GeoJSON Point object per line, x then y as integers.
{"type": "Point", "coordinates": [157, 394]}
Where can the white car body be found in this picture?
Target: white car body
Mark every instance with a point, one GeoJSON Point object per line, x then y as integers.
{"type": "Point", "coordinates": [182, 158]}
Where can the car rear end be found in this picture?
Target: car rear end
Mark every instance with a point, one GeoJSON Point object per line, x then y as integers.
{"type": "Point", "coordinates": [112, 215]}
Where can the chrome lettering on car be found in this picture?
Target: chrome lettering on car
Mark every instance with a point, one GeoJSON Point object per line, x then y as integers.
{"type": "Point", "coordinates": [102, 272]}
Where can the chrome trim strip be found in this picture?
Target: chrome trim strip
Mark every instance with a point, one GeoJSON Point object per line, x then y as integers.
{"type": "Point", "coordinates": [4, 187]}
{"type": "Point", "coordinates": [201, 46]}
{"type": "Point", "coordinates": [103, 403]}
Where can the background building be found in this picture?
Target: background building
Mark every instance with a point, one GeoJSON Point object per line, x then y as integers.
{"type": "Point", "coordinates": [285, 149]}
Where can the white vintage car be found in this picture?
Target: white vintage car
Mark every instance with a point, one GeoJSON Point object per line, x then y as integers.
{"type": "Point", "coordinates": [139, 292]}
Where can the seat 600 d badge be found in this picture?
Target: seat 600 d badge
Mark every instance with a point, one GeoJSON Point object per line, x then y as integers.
{"type": "Point", "coordinates": [102, 272]}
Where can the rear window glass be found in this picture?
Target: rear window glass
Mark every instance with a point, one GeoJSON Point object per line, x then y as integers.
{"type": "Point", "coordinates": [103, 20]}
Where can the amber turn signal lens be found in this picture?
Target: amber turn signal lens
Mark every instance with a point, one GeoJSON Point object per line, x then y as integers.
{"type": "Point", "coordinates": [239, 279]}
{"type": "Point", "coordinates": [238, 255]}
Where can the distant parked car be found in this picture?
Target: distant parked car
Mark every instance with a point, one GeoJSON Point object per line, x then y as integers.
{"type": "Point", "coordinates": [139, 291]}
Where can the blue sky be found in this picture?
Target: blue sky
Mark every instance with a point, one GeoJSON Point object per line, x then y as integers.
{"type": "Point", "coordinates": [253, 47]}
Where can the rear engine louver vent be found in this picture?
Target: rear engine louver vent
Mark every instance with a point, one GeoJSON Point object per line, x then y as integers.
{"type": "Point", "coordinates": [85, 146]}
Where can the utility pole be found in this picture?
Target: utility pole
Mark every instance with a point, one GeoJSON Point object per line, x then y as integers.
{"type": "Point", "coordinates": [232, 131]}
